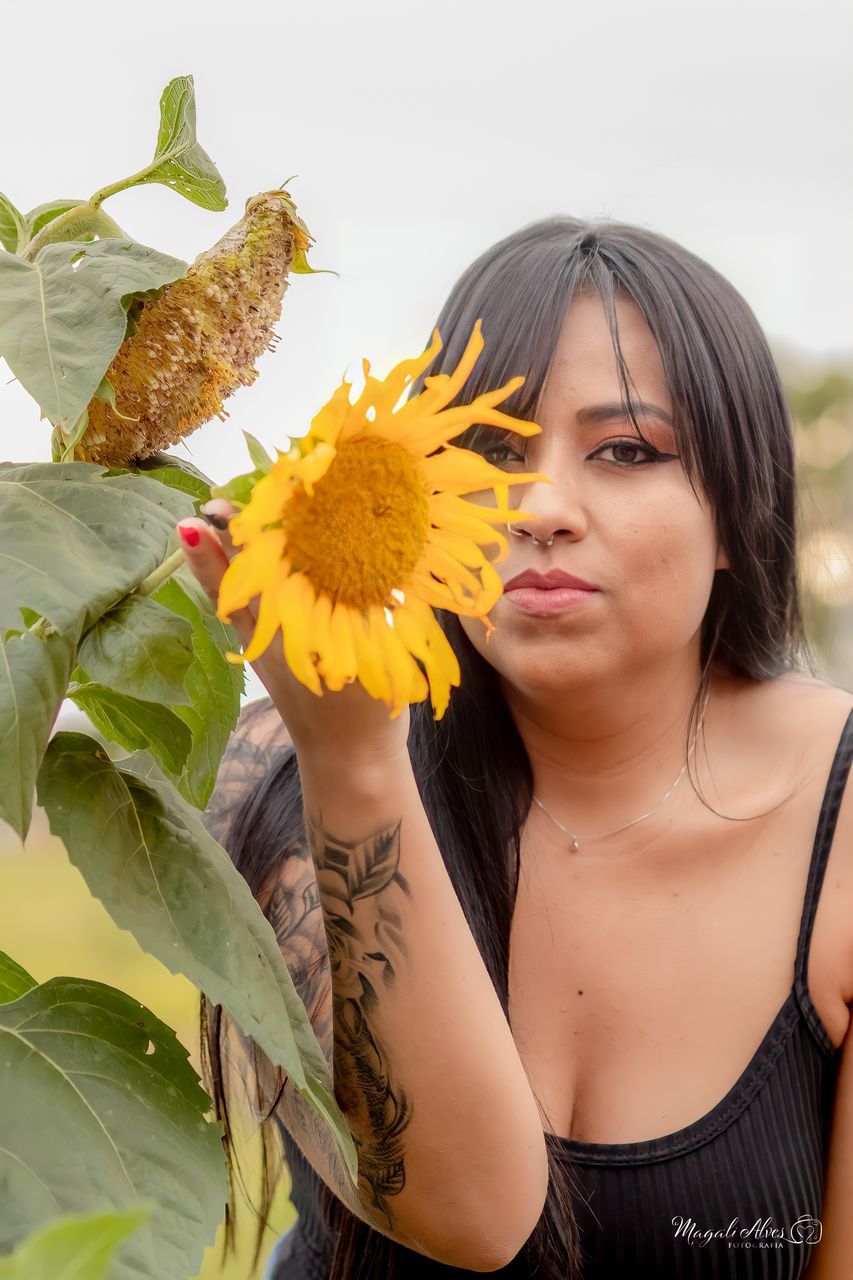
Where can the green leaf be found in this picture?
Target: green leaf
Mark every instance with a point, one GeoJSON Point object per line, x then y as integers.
{"type": "Point", "coordinates": [75, 1247]}
{"type": "Point", "coordinates": [34, 674]}
{"type": "Point", "coordinates": [63, 316]}
{"type": "Point", "coordinates": [146, 855]}
{"type": "Point", "coordinates": [214, 686]}
{"type": "Point", "coordinates": [64, 440]}
{"type": "Point", "coordinates": [135, 725]}
{"type": "Point", "coordinates": [181, 163]}
{"type": "Point", "coordinates": [100, 1108]}
{"type": "Point", "coordinates": [169, 469]}
{"type": "Point", "coordinates": [14, 980]}
{"type": "Point", "coordinates": [140, 648]}
{"type": "Point", "coordinates": [106, 391]}
{"type": "Point", "coordinates": [42, 214]}
{"type": "Point", "coordinates": [13, 227]}
{"type": "Point", "coordinates": [75, 540]}
{"type": "Point", "coordinates": [258, 453]}
{"type": "Point", "coordinates": [239, 489]}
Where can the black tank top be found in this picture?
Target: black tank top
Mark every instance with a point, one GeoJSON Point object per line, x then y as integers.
{"type": "Point", "coordinates": [736, 1195]}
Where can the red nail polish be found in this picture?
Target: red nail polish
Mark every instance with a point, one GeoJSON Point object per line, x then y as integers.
{"type": "Point", "coordinates": [189, 535]}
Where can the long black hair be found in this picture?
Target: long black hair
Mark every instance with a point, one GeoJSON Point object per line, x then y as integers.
{"type": "Point", "coordinates": [736, 442]}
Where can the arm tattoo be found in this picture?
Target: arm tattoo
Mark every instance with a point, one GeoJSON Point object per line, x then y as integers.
{"type": "Point", "coordinates": [334, 907]}
{"type": "Point", "coordinates": [361, 887]}
{"type": "Point", "coordinates": [253, 745]}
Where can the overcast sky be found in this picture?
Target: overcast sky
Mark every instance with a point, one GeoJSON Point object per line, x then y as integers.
{"type": "Point", "coordinates": [420, 135]}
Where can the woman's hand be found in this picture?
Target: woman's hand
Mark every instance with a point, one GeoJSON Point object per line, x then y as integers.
{"type": "Point", "coordinates": [349, 723]}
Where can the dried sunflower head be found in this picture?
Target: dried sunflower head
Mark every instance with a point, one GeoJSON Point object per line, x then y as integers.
{"type": "Point", "coordinates": [360, 529]}
{"type": "Point", "coordinates": [197, 343]}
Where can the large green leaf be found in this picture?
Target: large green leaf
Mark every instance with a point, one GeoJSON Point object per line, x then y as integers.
{"type": "Point", "coordinates": [12, 225]}
{"type": "Point", "coordinates": [168, 468]}
{"type": "Point", "coordinates": [140, 648]}
{"type": "Point", "coordinates": [74, 1247]}
{"type": "Point", "coordinates": [14, 980]}
{"type": "Point", "coordinates": [75, 538]}
{"type": "Point", "coordinates": [134, 724]}
{"type": "Point", "coordinates": [34, 673]}
{"type": "Point", "coordinates": [63, 316]}
{"type": "Point", "coordinates": [180, 161]}
{"type": "Point", "coordinates": [214, 686]}
{"type": "Point", "coordinates": [100, 1107]}
{"type": "Point", "coordinates": [44, 213]}
{"type": "Point", "coordinates": [145, 854]}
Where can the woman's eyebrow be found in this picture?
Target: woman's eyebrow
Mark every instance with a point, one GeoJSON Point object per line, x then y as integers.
{"type": "Point", "coordinates": [615, 409]}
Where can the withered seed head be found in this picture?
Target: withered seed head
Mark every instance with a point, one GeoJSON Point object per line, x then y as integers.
{"type": "Point", "coordinates": [198, 342]}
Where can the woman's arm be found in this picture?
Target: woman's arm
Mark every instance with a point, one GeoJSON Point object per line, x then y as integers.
{"type": "Point", "coordinates": [451, 1151]}
{"type": "Point", "coordinates": [831, 1258]}
{"type": "Point", "coordinates": [426, 1071]}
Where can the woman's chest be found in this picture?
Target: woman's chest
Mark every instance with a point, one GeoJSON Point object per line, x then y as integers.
{"type": "Point", "coordinates": [640, 989]}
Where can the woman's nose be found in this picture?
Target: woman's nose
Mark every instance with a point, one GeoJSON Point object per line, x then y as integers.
{"type": "Point", "coordinates": [559, 507]}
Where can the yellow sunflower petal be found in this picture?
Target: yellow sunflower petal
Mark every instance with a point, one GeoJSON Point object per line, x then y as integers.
{"type": "Point", "coordinates": [345, 663]}
{"type": "Point", "coordinates": [457, 520]}
{"type": "Point", "coordinates": [408, 682]}
{"type": "Point", "coordinates": [269, 498]}
{"type": "Point", "coordinates": [465, 550]}
{"type": "Point", "coordinates": [296, 609]}
{"type": "Point", "coordinates": [247, 573]}
{"type": "Point", "coordinates": [327, 423]}
{"type": "Point", "coordinates": [371, 669]}
{"type": "Point", "coordinates": [402, 374]}
{"type": "Point", "coordinates": [440, 388]}
{"type": "Point", "coordinates": [425, 432]}
{"type": "Point", "coordinates": [440, 562]}
{"type": "Point", "coordinates": [419, 630]}
{"type": "Point", "coordinates": [463, 471]}
{"type": "Point", "coordinates": [313, 465]}
{"type": "Point", "coordinates": [269, 619]}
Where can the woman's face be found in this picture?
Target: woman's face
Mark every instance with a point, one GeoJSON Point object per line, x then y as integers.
{"type": "Point", "coordinates": [636, 531]}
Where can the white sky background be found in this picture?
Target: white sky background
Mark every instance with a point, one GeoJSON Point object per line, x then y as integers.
{"type": "Point", "coordinates": [420, 135]}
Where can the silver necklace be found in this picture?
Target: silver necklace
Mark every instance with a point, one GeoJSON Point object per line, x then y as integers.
{"type": "Point", "coordinates": [575, 845]}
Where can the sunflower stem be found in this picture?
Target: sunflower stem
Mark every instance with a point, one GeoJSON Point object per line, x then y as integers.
{"type": "Point", "coordinates": [161, 573]}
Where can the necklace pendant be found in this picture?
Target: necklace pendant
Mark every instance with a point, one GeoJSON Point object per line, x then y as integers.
{"type": "Point", "coordinates": [575, 845]}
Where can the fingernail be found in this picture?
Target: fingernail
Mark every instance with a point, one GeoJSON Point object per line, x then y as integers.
{"type": "Point", "coordinates": [189, 535]}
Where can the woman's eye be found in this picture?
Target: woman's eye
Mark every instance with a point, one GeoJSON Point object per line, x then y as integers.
{"type": "Point", "coordinates": [493, 448]}
{"type": "Point", "coordinates": [651, 455]}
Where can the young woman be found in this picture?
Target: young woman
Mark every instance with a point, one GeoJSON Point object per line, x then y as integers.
{"type": "Point", "coordinates": [589, 1017]}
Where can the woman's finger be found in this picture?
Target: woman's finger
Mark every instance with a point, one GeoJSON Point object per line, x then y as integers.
{"type": "Point", "coordinates": [217, 511]}
{"type": "Point", "coordinates": [208, 559]}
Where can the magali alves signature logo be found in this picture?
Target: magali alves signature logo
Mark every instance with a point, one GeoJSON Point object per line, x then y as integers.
{"type": "Point", "coordinates": [761, 1235]}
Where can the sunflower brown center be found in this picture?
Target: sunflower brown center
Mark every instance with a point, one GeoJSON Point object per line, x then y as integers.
{"type": "Point", "coordinates": [365, 527]}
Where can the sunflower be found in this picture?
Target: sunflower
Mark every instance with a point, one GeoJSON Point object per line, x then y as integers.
{"type": "Point", "coordinates": [197, 343]}
{"type": "Point", "coordinates": [360, 530]}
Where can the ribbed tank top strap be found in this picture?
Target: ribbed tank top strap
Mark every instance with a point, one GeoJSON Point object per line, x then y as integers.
{"type": "Point", "coordinates": [820, 854]}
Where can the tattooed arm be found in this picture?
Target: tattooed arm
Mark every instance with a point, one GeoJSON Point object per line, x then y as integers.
{"type": "Point", "coordinates": [450, 1142]}
{"type": "Point", "coordinates": [451, 1151]}
{"type": "Point", "coordinates": [290, 900]}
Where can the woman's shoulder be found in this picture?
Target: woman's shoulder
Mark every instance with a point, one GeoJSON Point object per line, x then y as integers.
{"type": "Point", "coordinates": [780, 735]}
{"type": "Point", "coordinates": [794, 706]}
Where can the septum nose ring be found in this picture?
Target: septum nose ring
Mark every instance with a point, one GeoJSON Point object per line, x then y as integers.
{"type": "Point", "coordinates": [537, 542]}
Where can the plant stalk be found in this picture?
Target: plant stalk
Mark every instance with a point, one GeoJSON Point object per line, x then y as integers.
{"type": "Point", "coordinates": [161, 573]}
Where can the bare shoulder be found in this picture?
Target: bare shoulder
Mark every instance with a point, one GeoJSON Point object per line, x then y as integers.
{"type": "Point", "coordinates": [795, 709]}
{"type": "Point", "coordinates": [809, 714]}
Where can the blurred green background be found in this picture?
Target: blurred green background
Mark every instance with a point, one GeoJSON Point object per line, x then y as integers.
{"type": "Point", "coordinates": [52, 925]}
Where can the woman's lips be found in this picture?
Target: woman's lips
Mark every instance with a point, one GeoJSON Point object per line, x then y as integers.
{"type": "Point", "coordinates": [545, 601]}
